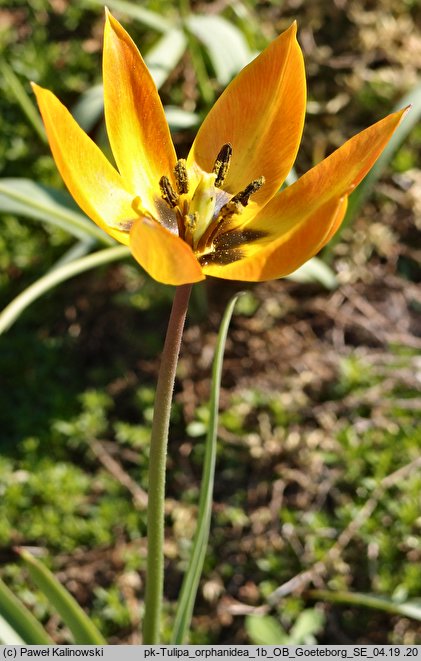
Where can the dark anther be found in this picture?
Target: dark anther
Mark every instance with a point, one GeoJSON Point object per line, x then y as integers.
{"type": "Point", "coordinates": [222, 164]}
{"type": "Point", "coordinates": [249, 190]}
{"type": "Point", "coordinates": [181, 178]}
{"type": "Point", "coordinates": [168, 193]}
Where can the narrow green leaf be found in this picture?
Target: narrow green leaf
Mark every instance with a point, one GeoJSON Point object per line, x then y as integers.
{"type": "Point", "coordinates": [193, 573]}
{"type": "Point", "coordinates": [83, 629]}
{"type": "Point", "coordinates": [147, 17]}
{"type": "Point", "coordinates": [224, 42]}
{"type": "Point", "coordinates": [8, 636]}
{"type": "Point", "coordinates": [406, 609]}
{"type": "Point", "coordinates": [76, 251]}
{"type": "Point", "coordinates": [366, 187]}
{"type": "Point", "coordinates": [12, 311]}
{"type": "Point", "coordinates": [20, 620]}
{"type": "Point", "coordinates": [315, 271]}
{"type": "Point", "coordinates": [24, 197]}
{"type": "Point", "coordinates": [24, 100]}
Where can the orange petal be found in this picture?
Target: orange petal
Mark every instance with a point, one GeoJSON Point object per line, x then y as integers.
{"type": "Point", "coordinates": [301, 219]}
{"type": "Point", "coordinates": [165, 256]}
{"type": "Point", "coordinates": [261, 113]}
{"type": "Point", "coordinates": [136, 124]}
{"type": "Point", "coordinates": [93, 182]}
{"type": "Point", "coordinates": [273, 259]}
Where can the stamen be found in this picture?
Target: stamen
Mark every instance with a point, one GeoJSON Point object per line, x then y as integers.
{"type": "Point", "coordinates": [222, 164]}
{"type": "Point", "coordinates": [181, 178]}
{"type": "Point", "coordinates": [168, 193]}
{"type": "Point", "coordinates": [253, 187]}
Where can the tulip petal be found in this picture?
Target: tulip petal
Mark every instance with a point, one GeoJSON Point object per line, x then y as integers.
{"type": "Point", "coordinates": [136, 125]}
{"type": "Point", "coordinates": [165, 256]}
{"type": "Point", "coordinates": [270, 259]}
{"type": "Point", "coordinates": [261, 113]}
{"type": "Point", "coordinates": [91, 179]}
{"type": "Point", "coordinates": [300, 220]}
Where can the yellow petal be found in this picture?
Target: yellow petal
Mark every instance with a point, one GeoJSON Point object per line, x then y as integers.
{"type": "Point", "coordinates": [165, 256]}
{"type": "Point", "coordinates": [93, 182]}
{"type": "Point", "coordinates": [297, 222]}
{"type": "Point", "coordinates": [261, 113]}
{"type": "Point", "coordinates": [136, 124]}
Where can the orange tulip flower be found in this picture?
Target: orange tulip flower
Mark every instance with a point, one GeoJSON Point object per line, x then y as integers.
{"type": "Point", "coordinates": [219, 212]}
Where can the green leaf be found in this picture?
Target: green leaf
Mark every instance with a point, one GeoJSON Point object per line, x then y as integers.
{"type": "Point", "coordinates": [8, 636]}
{"type": "Point", "coordinates": [147, 17]}
{"type": "Point", "coordinates": [192, 576]}
{"type": "Point", "coordinates": [406, 609]}
{"type": "Point", "coordinates": [24, 100]}
{"type": "Point", "coordinates": [83, 629]}
{"type": "Point", "coordinates": [12, 311]}
{"type": "Point", "coordinates": [265, 630]}
{"type": "Point", "coordinates": [165, 55]}
{"type": "Point", "coordinates": [315, 271]}
{"type": "Point", "coordinates": [24, 197]}
{"type": "Point", "coordinates": [308, 624]}
{"type": "Point", "coordinates": [366, 187]}
{"type": "Point", "coordinates": [225, 44]}
{"type": "Point", "coordinates": [18, 620]}
{"type": "Point", "coordinates": [180, 119]}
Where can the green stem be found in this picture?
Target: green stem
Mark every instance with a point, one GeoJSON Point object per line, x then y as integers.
{"type": "Point", "coordinates": [157, 465]}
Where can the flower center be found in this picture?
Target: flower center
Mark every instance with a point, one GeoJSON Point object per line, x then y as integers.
{"type": "Point", "coordinates": [203, 214]}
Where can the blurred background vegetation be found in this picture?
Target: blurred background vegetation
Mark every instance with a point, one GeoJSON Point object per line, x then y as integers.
{"type": "Point", "coordinates": [318, 474]}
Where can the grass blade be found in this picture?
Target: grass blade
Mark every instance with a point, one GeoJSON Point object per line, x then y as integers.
{"type": "Point", "coordinates": [193, 573]}
{"type": "Point", "coordinates": [83, 629]}
{"type": "Point", "coordinates": [24, 197]}
{"type": "Point", "coordinates": [20, 620]}
{"type": "Point", "coordinates": [12, 311]}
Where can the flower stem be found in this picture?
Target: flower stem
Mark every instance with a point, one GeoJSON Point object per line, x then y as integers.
{"type": "Point", "coordinates": [157, 465]}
